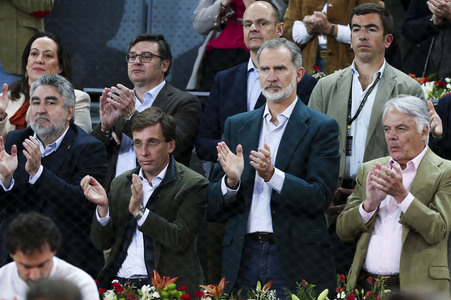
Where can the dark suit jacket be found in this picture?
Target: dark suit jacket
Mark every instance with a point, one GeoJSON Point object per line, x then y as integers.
{"type": "Point", "coordinates": [308, 154]}
{"type": "Point", "coordinates": [228, 97]}
{"type": "Point", "coordinates": [173, 226]}
{"type": "Point", "coordinates": [57, 193]}
{"type": "Point", "coordinates": [184, 107]}
{"type": "Point", "coordinates": [442, 146]}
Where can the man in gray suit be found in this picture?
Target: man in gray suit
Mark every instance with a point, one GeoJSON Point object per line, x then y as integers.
{"type": "Point", "coordinates": [149, 60]}
{"type": "Point", "coordinates": [355, 96]}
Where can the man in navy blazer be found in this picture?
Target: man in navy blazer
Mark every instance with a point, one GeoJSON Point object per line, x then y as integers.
{"type": "Point", "coordinates": [230, 94]}
{"type": "Point", "coordinates": [41, 168]}
{"type": "Point", "coordinates": [274, 191]}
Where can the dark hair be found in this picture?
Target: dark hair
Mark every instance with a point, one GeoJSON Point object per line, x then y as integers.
{"type": "Point", "coordinates": [30, 232]}
{"type": "Point", "coordinates": [54, 289]}
{"type": "Point", "coordinates": [152, 116]}
{"type": "Point", "coordinates": [163, 47]}
{"type": "Point", "coordinates": [21, 86]}
{"type": "Point", "coordinates": [369, 8]}
{"type": "Point", "coordinates": [275, 10]}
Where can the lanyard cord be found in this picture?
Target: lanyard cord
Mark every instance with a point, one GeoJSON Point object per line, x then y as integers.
{"type": "Point", "coordinates": [349, 119]}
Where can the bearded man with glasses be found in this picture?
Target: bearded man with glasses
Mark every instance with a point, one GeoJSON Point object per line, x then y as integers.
{"type": "Point", "coordinates": [149, 61]}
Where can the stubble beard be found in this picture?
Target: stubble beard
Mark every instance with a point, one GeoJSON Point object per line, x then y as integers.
{"type": "Point", "coordinates": [49, 132]}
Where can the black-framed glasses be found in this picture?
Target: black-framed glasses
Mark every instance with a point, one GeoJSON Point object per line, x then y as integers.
{"type": "Point", "coordinates": [144, 57]}
{"type": "Point", "coordinates": [148, 144]}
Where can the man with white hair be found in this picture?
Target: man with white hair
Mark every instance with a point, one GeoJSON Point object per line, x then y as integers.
{"type": "Point", "coordinates": [400, 209]}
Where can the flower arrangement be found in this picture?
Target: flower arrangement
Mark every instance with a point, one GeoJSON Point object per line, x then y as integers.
{"type": "Point", "coordinates": [344, 290]}
{"type": "Point", "coordinates": [163, 288]}
{"type": "Point", "coordinates": [434, 89]}
{"type": "Point", "coordinates": [317, 73]}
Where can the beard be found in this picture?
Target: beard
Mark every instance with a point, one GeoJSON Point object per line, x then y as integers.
{"type": "Point", "coordinates": [48, 132]}
{"type": "Point", "coordinates": [280, 95]}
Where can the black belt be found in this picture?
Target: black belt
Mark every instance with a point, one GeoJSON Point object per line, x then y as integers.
{"type": "Point", "coordinates": [136, 282]}
{"type": "Point", "coordinates": [262, 237]}
{"type": "Point", "coordinates": [390, 280]}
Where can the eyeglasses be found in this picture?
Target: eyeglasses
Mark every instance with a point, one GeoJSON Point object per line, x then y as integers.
{"type": "Point", "coordinates": [149, 144]}
{"type": "Point", "coordinates": [144, 57]}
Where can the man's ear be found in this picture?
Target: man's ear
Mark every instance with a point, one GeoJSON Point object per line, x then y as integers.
{"type": "Point", "coordinates": [388, 40]}
{"type": "Point", "coordinates": [70, 112]}
{"type": "Point", "coordinates": [171, 146]}
{"type": "Point", "coordinates": [164, 65]}
{"type": "Point", "coordinates": [279, 29]}
{"type": "Point", "coordinates": [299, 73]}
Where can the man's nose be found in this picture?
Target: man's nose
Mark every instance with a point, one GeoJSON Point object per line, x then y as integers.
{"type": "Point", "coordinates": [34, 274]}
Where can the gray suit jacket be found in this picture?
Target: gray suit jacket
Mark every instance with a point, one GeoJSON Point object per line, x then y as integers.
{"type": "Point", "coordinates": [184, 107]}
{"type": "Point", "coordinates": [426, 225]}
{"type": "Point", "coordinates": [331, 95]}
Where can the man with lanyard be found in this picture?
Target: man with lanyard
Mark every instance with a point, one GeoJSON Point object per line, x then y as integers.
{"type": "Point", "coordinates": [355, 97]}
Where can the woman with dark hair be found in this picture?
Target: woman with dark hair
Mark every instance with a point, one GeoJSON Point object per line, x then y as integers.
{"type": "Point", "coordinates": [44, 53]}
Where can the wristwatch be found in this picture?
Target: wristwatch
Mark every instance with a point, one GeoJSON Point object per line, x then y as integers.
{"type": "Point", "coordinates": [140, 214]}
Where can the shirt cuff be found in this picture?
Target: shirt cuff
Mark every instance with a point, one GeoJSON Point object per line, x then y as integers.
{"type": "Point", "coordinates": [36, 176]}
{"type": "Point", "coordinates": [11, 184]}
{"type": "Point", "coordinates": [404, 205]}
{"type": "Point", "coordinates": [143, 218]}
{"type": "Point", "coordinates": [103, 221]}
{"type": "Point", "coordinates": [300, 34]}
{"type": "Point", "coordinates": [228, 193]}
{"type": "Point", "coordinates": [343, 34]}
{"type": "Point", "coordinates": [277, 180]}
{"type": "Point", "coordinates": [366, 216]}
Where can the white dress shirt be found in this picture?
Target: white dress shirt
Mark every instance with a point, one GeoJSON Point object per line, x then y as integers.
{"type": "Point", "coordinates": [253, 85]}
{"type": "Point", "coordinates": [359, 128]}
{"type": "Point", "coordinates": [127, 158]}
{"type": "Point", "coordinates": [134, 263]}
{"type": "Point", "coordinates": [259, 219]}
{"type": "Point", "coordinates": [384, 249]}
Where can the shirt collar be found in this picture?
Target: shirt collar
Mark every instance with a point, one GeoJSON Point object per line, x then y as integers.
{"type": "Point", "coordinates": [149, 97]}
{"type": "Point", "coordinates": [157, 179]}
{"type": "Point", "coordinates": [286, 114]}
{"type": "Point", "coordinates": [251, 66]}
{"type": "Point", "coordinates": [380, 71]}
{"type": "Point", "coordinates": [52, 147]}
{"type": "Point", "coordinates": [414, 163]}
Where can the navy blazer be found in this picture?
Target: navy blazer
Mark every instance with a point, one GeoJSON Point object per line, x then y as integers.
{"type": "Point", "coordinates": [308, 155]}
{"type": "Point", "coordinates": [57, 193]}
{"type": "Point", "coordinates": [442, 147]}
{"type": "Point", "coordinates": [228, 97]}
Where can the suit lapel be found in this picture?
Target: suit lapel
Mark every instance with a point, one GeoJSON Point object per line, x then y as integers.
{"type": "Point", "coordinates": [344, 83]}
{"type": "Point", "coordinates": [63, 151]}
{"type": "Point", "coordinates": [424, 184]}
{"type": "Point", "coordinates": [163, 96]}
{"type": "Point", "coordinates": [292, 136]}
{"type": "Point", "coordinates": [382, 96]}
{"type": "Point", "coordinates": [250, 133]}
{"type": "Point", "coordinates": [240, 97]}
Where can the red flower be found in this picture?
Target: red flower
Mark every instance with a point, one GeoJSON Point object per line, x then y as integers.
{"type": "Point", "coordinates": [351, 297]}
{"type": "Point", "coordinates": [369, 279]}
{"type": "Point", "coordinates": [182, 288]}
{"type": "Point", "coordinates": [101, 291]}
{"type": "Point", "coordinates": [378, 283]}
{"type": "Point", "coordinates": [378, 297]}
{"type": "Point", "coordinates": [186, 297]}
{"type": "Point", "coordinates": [317, 68]}
{"type": "Point", "coordinates": [368, 294]}
{"type": "Point", "coordinates": [304, 283]}
{"type": "Point", "coordinates": [198, 294]}
{"type": "Point", "coordinates": [342, 277]}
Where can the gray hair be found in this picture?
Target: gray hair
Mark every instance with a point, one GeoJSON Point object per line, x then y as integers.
{"type": "Point", "coordinates": [62, 85]}
{"type": "Point", "coordinates": [411, 106]}
{"type": "Point", "coordinates": [276, 43]}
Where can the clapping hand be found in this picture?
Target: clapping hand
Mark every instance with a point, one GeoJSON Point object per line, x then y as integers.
{"type": "Point", "coordinates": [8, 163]}
{"type": "Point", "coordinates": [95, 193]}
{"type": "Point", "coordinates": [232, 164]}
{"type": "Point", "coordinates": [3, 101]}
